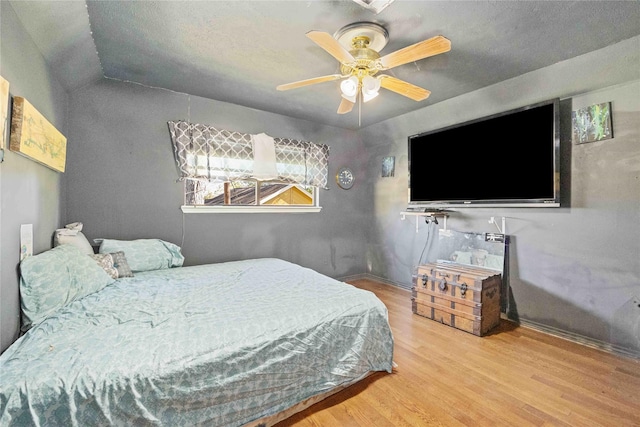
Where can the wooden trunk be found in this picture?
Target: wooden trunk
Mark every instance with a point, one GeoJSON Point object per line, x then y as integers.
{"type": "Point", "coordinates": [463, 296]}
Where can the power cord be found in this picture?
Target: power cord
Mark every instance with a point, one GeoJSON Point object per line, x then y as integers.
{"type": "Point", "coordinates": [426, 242]}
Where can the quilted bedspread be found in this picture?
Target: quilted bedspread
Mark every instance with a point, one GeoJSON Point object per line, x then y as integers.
{"type": "Point", "coordinates": [216, 345]}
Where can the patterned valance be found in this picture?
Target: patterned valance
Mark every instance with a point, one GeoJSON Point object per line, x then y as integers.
{"type": "Point", "coordinates": [204, 152]}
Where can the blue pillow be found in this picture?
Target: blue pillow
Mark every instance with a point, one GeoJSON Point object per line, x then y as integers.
{"type": "Point", "coordinates": [145, 254]}
{"type": "Point", "coordinates": [55, 278]}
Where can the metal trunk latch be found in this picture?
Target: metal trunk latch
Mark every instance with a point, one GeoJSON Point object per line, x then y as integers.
{"type": "Point", "coordinates": [463, 289]}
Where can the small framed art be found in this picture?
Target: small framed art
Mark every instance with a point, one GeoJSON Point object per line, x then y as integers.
{"type": "Point", "coordinates": [592, 123]}
{"type": "Point", "coordinates": [388, 166]}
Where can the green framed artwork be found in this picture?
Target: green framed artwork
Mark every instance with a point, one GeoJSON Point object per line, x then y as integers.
{"type": "Point", "coordinates": [592, 123]}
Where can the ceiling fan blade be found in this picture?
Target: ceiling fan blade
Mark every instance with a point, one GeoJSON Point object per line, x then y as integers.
{"type": "Point", "coordinates": [424, 49]}
{"type": "Point", "coordinates": [308, 82]}
{"type": "Point", "coordinates": [345, 106]}
{"type": "Point", "coordinates": [403, 88]}
{"type": "Point", "coordinates": [331, 45]}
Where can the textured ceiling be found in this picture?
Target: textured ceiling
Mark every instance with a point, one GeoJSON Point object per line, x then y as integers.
{"type": "Point", "coordinates": [239, 51]}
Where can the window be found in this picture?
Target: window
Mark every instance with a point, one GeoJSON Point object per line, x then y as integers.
{"type": "Point", "coordinates": [220, 171]}
{"type": "Point", "coordinates": [248, 193]}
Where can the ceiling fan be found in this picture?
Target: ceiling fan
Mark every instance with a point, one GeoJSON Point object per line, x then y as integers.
{"type": "Point", "coordinates": [356, 46]}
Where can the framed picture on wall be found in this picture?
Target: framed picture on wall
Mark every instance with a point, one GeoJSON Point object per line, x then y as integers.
{"type": "Point", "coordinates": [4, 109]}
{"type": "Point", "coordinates": [388, 166]}
{"type": "Point", "coordinates": [33, 136]}
{"type": "Point", "coordinates": [592, 123]}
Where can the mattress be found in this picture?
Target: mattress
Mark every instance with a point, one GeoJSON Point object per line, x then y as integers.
{"type": "Point", "coordinates": [217, 345]}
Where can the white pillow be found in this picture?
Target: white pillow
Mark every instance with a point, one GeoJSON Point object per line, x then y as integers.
{"type": "Point", "coordinates": [71, 235]}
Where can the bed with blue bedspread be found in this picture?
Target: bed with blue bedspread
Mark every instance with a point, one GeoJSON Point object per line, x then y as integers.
{"type": "Point", "coordinates": [228, 344]}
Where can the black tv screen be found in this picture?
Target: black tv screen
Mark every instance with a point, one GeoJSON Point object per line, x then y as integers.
{"type": "Point", "coordinates": [509, 159]}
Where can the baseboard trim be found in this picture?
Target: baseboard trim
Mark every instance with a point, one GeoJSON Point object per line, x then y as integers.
{"type": "Point", "coordinates": [580, 339]}
{"type": "Point", "coordinates": [352, 277]}
{"type": "Point", "coordinates": [559, 333]}
{"type": "Point", "coordinates": [368, 276]}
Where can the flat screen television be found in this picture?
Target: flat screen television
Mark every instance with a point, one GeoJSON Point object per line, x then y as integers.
{"type": "Point", "coordinates": [510, 159]}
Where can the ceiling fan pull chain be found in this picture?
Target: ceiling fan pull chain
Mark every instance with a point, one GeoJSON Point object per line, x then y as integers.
{"type": "Point", "coordinates": [359, 108]}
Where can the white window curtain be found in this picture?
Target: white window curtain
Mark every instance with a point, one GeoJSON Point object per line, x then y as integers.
{"type": "Point", "coordinates": [204, 152]}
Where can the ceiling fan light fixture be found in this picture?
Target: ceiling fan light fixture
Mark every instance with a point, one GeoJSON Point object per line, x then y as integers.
{"type": "Point", "coordinates": [370, 88]}
{"type": "Point", "coordinates": [349, 87]}
{"type": "Point", "coordinates": [356, 46]}
{"type": "Point", "coordinates": [366, 97]}
{"type": "Point", "coordinates": [370, 85]}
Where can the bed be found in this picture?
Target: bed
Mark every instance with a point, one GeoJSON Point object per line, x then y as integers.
{"type": "Point", "coordinates": [239, 343]}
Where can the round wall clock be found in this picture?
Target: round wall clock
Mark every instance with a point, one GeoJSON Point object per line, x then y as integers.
{"type": "Point", "coordinates": [344, 178]}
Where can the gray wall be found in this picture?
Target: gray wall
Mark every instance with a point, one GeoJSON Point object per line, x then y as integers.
{"type": "Point", "coordinates": [122, 183]}
{"type": "Point", "coordinates": [29, 193]}
{"type": "Point", "coordinates": [574, 269]}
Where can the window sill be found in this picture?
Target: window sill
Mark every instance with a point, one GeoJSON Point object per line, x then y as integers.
{"type": "Point", "coordinates": [250, 209]}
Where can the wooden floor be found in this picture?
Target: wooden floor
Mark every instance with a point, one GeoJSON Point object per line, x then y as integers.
{"type": "Point", "coordinates": [515, 376]}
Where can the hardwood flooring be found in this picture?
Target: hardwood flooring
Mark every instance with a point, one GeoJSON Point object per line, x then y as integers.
{"type": "Point", "coordinates": [514, 376]}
